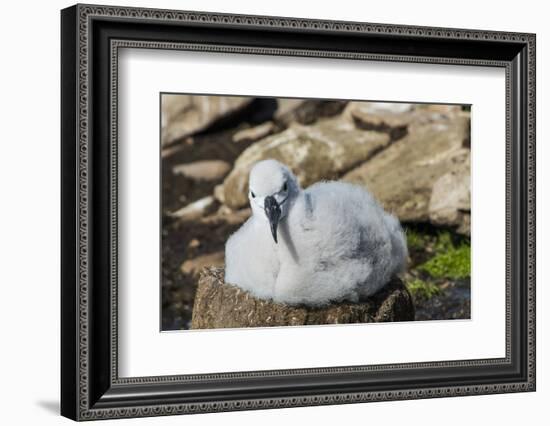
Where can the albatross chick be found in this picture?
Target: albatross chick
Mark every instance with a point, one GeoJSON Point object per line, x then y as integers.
{"type": "Point", "coordinates": [328, 243]}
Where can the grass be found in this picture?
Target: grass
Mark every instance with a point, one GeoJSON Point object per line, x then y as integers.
{"type": "Point", "coordinates": [422, 290]}
{"type": "Point", "coordinates": [436, 241]}
{"type": "Point", "coordinates": [454, 263]}
{"type": "Point", "coordinates": [437, 255]}
{"type": "Point", "coordinates": [417, 240]}
{"type": "Point", "coordinates": [444, 242]}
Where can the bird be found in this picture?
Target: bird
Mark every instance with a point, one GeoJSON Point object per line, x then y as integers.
{"type": "Point", "coordinates": [329, 243]}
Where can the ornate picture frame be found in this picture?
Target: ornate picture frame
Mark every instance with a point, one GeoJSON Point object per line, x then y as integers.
{"type": "Point", "coordinates": [91, 37]}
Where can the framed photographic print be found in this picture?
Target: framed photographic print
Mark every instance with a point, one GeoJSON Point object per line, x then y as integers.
{"type": "Point", "coordinates": [263, 212]}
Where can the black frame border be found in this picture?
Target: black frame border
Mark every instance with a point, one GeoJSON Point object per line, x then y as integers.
{"type": "Point", "coordinates": [91, 37]}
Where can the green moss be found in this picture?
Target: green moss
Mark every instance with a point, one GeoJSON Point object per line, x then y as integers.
{"type": "Point", "coordinates": [444, 242]}
{"type": "Point", "coordinates": [422, 290]}
{"type": "Point", "coordinates": [439, 253]}
{"type": "Point", "coordinates": [416, 240]}
{"type": "Point", "coordinates": [440, 241]}
{"type": "Point", "coordinates": [452, 263]}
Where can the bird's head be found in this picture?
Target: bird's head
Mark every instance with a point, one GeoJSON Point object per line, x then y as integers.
{"type": "Point", "coordinates": [272, 189]}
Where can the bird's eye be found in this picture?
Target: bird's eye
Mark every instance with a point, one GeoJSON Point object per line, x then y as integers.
{"type": "Point", "coordinates": [253, 195]}
{"type": "Point", "coordinates": [285, 187]}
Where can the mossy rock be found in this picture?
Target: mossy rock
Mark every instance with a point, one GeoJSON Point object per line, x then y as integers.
{"type": "Point", "coordinates": [221, 305]}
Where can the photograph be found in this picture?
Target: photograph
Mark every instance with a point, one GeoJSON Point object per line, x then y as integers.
{"type": "Point", "coordinates": [273, 210]}
{"type": "Point", "coordinates": [301, 211]}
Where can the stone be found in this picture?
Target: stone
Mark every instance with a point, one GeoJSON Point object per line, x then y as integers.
{"type": "Point", "coordinates": [219, 193]}
{"type": "Point", "coordinates": [253, 134]}
{"type": "Point", "coordinates": [196, 209]}
{"type": "Point", "coordinates": [230, 217]}
{"type": "Point", "coordinates": [221, 305]}
{"type": "Point", "coordinates": [305, 111]}
{"type": "Point", "coordinates": [391, 118]}
{"type": "Point", "coordinates": [396, 118]}
{"type": "Point", "coordinates": [384, 107]}
{"type": "Point", "coordinates": [402, 176]}
{"type": "Point", "coordinates": [194, 243]}
{"type": "Point", "coordinates": [450, 200]}
{"type": "Point", "coordinates": [194, 266]}
{"type": "Point", "coordinates": [324, 150]}
{"type": "Point", "coordinates": [206, 170]}
{"type": "Point", "coordinates": [442, 108]}
{"type": "Point", "coordinates": [185, 115]}
{"type": "Point", "coordinates": [464, 116]}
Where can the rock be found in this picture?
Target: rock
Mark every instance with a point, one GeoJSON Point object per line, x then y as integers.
{"type": "Point", "coordinates": [221, 305]}
{"type": "Point", "coordinates": [324, 150]}
{"type": "Point", "coordinates": [465, 227]}
{"type": "Point", "coordinates": [194, 266]}
{"type": "Point", "coordinates": [286, 106]}
{"type": "Point", "coordinates": [184, 115]}
{"type": "Point", "coordinates": [196, 209]}
{"type": "Point", "coordinates": [450, 200]}
{"type": "Point", "coordinates": [305, 111]}
{"type": "Point", "coordinates": [219, 193]}
{"type": "Point", "coordinates": [395, 108]}
{"type": "Point", "coordinates": [391, 118]}
{"type": "Point", "coordinates": [396, 118]}
{"type": "Point", "coordinates": [207, 170]}
{"type": "Point", "coordinates": [465, 117]}
{"type": "Point", "coordinates": [442, 108]}
{"type": "Point", "coordinates": [254, 133]}
{"type": "Point", "coordinates": [402, 176]}
{"type": "Point", "coordinates": [194, 243]}
{"type": "Point", "coordinates": [169, 151]}
{"type": "Point", "coordinates": [230, 217]}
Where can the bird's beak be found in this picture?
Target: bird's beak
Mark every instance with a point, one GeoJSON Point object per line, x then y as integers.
{"type": "Point", "coordinates": [273, 212]}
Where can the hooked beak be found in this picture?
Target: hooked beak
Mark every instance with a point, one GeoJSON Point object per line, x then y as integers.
{"type": "Point", "coordinates": [273, 212]}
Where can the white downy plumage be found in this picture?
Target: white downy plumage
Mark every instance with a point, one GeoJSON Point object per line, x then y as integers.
{"type": "Point", "coordinates": [330, 242]}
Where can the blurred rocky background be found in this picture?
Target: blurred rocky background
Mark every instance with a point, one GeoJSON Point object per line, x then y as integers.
{"type": "Point", "coordinates": [415, 159]}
